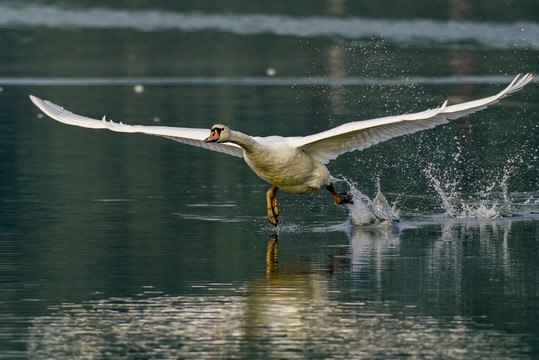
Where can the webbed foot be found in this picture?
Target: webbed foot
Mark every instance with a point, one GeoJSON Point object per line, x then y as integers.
{"type": "Point", "coordinates": [340, 198]}
{"type": "Point", "coordinates": [345, 198]}
{"type": "Point", "coordinates": [271, 204]}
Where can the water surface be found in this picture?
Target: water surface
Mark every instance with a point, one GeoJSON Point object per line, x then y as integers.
{"type": "Point", "coordinates": [129, 246]}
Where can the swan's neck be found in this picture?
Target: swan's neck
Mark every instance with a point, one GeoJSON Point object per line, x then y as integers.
{"type": "Point", "coordinates": [245, 141]}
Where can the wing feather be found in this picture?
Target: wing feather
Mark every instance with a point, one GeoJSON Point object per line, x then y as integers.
{"type": "Point", "coordinates": [190, 136]}
{"type": "Point", "coordinates": [327, 145]}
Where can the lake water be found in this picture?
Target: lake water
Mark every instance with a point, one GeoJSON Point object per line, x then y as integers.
{"type": "Point", "coordinates": [124, 246]}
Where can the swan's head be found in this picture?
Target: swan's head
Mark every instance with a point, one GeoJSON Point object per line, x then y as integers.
{"type": "Point", "coordinates": [218, 133]}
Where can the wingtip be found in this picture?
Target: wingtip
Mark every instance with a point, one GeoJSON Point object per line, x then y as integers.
{"type": "Point", "coordinates": [39, 103]}
{"type": "Point", "coordinates": [526, 78]}
{"type": "Point", "coordinates": [518, 83]}
{"type": "Point", "coordinates": [34, 99]}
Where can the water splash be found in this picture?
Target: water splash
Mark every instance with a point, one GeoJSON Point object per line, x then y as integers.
{"type": "Point", "coordinates": [485, 204]}
{"type": "Point", "coordinates": [366, 211]}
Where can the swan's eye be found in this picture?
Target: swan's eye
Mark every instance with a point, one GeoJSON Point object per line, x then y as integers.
{"type": "Point", "coordinates": [216, 131]}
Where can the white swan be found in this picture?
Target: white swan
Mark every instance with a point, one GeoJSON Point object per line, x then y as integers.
{"type": "Point", "coordinates": [294, 164]}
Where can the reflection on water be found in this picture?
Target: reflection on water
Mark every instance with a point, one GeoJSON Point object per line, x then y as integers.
{"type": "Point", "coordinates": [334, 81]}
{"type": "Point", "coordinates": [298, 309]}
{"type": "Point", "coordinates": [521, 35]}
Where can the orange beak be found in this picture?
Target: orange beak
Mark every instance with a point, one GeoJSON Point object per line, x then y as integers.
{"type": "Point", "coordinates": [214, 136]}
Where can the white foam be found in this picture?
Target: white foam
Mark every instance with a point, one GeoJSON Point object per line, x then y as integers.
{"type": "Point", "coordinates": [485, 204]}
{"type": "Point", "coordinates": [366, 211]}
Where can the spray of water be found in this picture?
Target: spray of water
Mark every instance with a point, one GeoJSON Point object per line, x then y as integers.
{"type": "Point", "coordinates": [492, 201]}
{"type": "Point", "coordinates": [366, 211]}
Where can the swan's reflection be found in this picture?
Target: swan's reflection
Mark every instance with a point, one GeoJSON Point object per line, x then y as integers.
{"type": "Point", "coordinates": [289, 306]}
{"type": "Point", "coordinates": [271, 254]}
{"type": "Point", "coordinates": [297, 309]}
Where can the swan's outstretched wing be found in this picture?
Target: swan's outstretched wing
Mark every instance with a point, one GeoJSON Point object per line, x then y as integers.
{"type": "Point", "coordinates": [191, 136]}
{"type": "Point", "coordinates": [327, 145]}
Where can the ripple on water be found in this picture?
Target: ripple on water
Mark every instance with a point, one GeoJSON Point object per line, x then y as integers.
{"type": "Point", "coordinates": [270, 322]}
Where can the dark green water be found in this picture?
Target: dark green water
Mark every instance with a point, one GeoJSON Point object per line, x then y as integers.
{"type": "Point", "coordinates": [129, 246]}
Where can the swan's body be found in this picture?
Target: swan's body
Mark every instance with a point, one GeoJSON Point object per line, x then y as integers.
{"type": "Point", "coordinates": [276, 160]}
{"type": "Point", "coordinates": [294, 164]}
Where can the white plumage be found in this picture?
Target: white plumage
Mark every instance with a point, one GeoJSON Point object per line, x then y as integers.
{"type": "Point", "coordinates": [294, 164]}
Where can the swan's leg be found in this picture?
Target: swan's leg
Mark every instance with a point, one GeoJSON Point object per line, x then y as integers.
{"type": "Point", "coordinates": [274, 204]}
{"type": "Point", "coordinates": [271, 203]}
{"type": "Point", "coordinates": [340, 198]}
